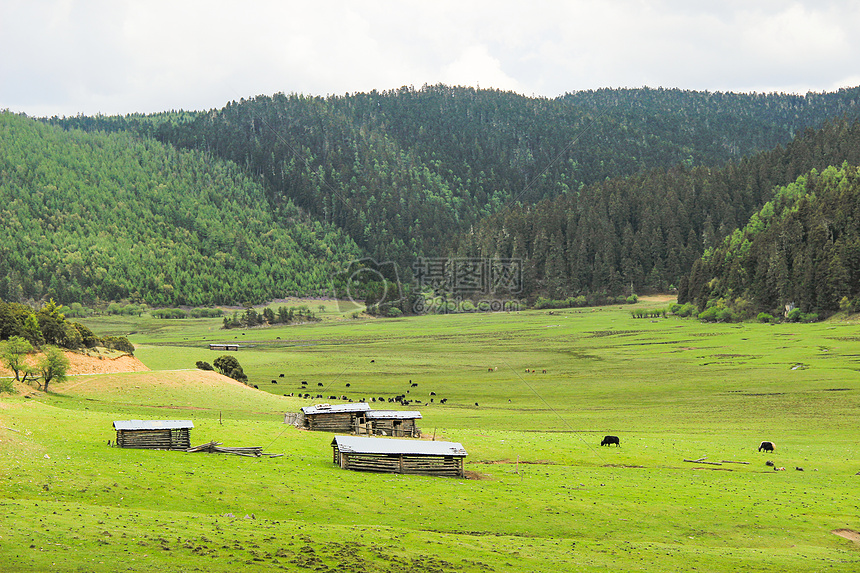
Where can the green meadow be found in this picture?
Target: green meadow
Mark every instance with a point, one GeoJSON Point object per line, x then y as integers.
{"type": "Point", "coordinates": [542, 494]}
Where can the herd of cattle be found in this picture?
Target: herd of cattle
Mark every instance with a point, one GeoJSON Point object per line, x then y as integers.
{"type": "Point", "coordinates": [398, 399]}
{"type": "Point", "coordinates": [613, 440]}
{"type": "Point", "coordinates": [401, 399]}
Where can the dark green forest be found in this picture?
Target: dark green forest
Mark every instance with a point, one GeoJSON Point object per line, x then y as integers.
{"type": "Point", "coordinates": [402, 171]}
{"type": "Point", "coordinates": [100, 217]}
{"type": "Point", "coordinates": [608, 192]}
{"type": "Point", "coordinates": [801, 249]}
{"type": "Point", "coordinates": [644, 233]}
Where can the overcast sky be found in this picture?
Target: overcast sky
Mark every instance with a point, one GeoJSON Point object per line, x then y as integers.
{"type": "Point", "coordinates": [69, 57]}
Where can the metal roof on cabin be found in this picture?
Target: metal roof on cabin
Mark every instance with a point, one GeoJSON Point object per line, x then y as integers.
{"type": "Point", "coordinates": [336, 408]}
{"type": "Point", "coordinates": [363, 445]}
{"type": "Point", "coordinates": [393, 415]}
{"type": "Point", "coordinates": [152, 424]}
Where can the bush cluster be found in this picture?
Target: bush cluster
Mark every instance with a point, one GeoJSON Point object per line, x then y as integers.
{"type": "Point", "coordinates": [48, 326]}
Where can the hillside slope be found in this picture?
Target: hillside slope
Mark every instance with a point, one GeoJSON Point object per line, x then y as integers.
{"type": "Point", "coordinates": [802, 248]}
{"type": "Point", "coordinates": [645, 232]}
{"type": "Point", "coordinates": [93, 216]}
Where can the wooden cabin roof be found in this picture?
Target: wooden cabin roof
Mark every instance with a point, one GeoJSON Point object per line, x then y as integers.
{"type": "Point", "coordinates": [335, 408]}
{"type": "Point", "coordinates": [364, 445]}
{"type": "Point", "coordinates": [152, 424]}
{"type": "Point", "coordinates": [393, 415]}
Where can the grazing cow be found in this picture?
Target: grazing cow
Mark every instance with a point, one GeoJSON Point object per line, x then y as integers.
{"type": "Point", "coordinates": [767, 447]}
{"type": "Point", "coordinates": [432, 393]}
{"type": "Point", "coordinates": [443, 400]}
{"type": "Point", "coordinates": [476, 404]}
{"type": "Point", "coordinates": [609, 440]}
{"type": "Point", "coordinates": [255, 386]}
{"type": "Point", "coordinates": [415, 386]}
{"type": "Point", "coordinates": [373, 360]}
{"type": "Point", "coordinates": [319, 383]}
{"type": "Point", "coordinates": [304, 382]}
{"type": "Point", "coordinates": [544, 371]}
{"type": "Point", "coordinates": [489, 369]}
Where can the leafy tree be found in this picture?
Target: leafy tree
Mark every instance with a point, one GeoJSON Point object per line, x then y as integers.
{"type": "Point", "coordinates": [53, 365]}
{"type": "Point", "coordinates": [13, 354]}
{"type": "Point", "coordinates": [226, 364]}
{"type": "Point", "coordinates": [120, 343]}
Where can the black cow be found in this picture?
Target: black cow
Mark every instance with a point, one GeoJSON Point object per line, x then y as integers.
{"type": "Point", "coordinates": [767, 446]}
{"type": "Point", "coordinates": [609, 440]}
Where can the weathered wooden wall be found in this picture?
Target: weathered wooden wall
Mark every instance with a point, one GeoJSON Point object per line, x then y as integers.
{"type": "Point", "coordinates": [331, 422]}
{"type": "Point", "coordinates": [167, 439]}
{"type": "Point", "coordinates": [389, 427]}
{"type": "Point", "coordinates": [451, 466]}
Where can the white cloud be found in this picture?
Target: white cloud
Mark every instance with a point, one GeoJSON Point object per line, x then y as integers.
{"type": "Point", "coordinates": [65, 57]}
{"type": "Point", "coordinates": [476, 67]}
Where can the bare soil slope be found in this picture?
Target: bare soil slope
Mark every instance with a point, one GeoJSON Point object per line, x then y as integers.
{"type": "Point", "coordinates": [96, 362]}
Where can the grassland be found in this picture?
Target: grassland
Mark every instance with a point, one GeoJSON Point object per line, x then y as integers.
{"type": "Point", "coordinates": [545, 496]}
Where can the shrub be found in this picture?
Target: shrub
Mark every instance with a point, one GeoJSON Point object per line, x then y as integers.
{"type": "Point", "coordinates": [206, 313]}
{"type": "Point", "coordinates": [120, 343]}
{"type": "Point", "coordinates": [794, 316]}
{"type": "Point", "coordinates": [169, 313]}
{"type": "Point", "coordinates": [708, 315]}
{"type": "Point", "coordinates": [764, 317]}
{"type": "Point", "coordinates": [239, 375]}
{"type": "Point", "coordinates": [683, 310]}
{"type": "Point", "coordinates": [201, 365]}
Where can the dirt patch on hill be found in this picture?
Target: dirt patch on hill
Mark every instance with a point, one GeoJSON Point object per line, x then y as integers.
{"type": "Point", "coordinates": [96, 362]}
{"type": "Point", "coordinates": [163, 379]}
{"type": "Point", "coordinates": [849, 534]}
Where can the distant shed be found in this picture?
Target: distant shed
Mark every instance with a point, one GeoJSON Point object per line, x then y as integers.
{"type": "Point", "coordinates": [333, 417]}
{"type": "Point", "coordinates": [154, 434]}
{"type": "Point", "coordinates": [224, 346]}
{"type": "Point", "coordinates": [397, 423]}
{"type": "Point", "coordinates": [361, 453]}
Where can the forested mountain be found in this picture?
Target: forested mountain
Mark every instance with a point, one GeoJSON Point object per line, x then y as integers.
{"type": "Point", "coordinates": [91, 216]}
{"type": "Point", "coordinates": [643, 233]}
{"type": "Point", "coordinates": [403, 171]}
{"type": "Point", "coordinates": [801, 248]}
